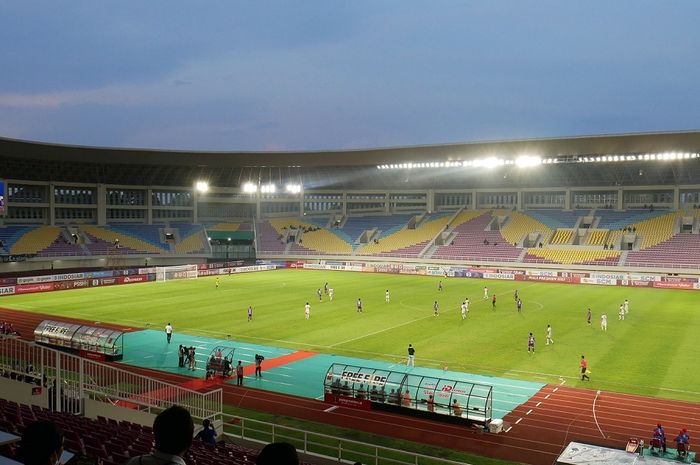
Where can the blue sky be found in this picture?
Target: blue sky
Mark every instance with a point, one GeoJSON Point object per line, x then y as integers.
{"type": "Point", "coordinates": [324, 74]}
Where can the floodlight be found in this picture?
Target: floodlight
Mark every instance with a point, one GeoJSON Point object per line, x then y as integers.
{"type": "Point", "coordinates": [249, 187]}
{"type": "Point", "coordinates": [268, 189]}
{"type": "Point", "coordinates": [293, 188]}
{"type": "Point", "coordinates": [202, 186]}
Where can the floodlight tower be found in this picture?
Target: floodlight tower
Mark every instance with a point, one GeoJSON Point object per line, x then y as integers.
{"type": "Point", "coordinates": [200, 187]}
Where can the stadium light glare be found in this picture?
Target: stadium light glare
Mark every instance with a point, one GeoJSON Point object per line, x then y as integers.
{"type": "Point", "coordinates": [202, 186]}
{"type": "Point", "coordinates": [250, 188]}
{"type": "Point", "coordinates": [268, 189]}
{"type": "Point", "coordinates": [293, 188]}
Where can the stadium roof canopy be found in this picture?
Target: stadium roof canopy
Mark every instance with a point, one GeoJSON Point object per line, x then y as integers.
{"type": "Point", "coordinates": [350, 169]}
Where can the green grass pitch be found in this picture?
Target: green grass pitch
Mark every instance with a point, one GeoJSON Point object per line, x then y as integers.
{"type": "Point", "coordinates": [652, 352]}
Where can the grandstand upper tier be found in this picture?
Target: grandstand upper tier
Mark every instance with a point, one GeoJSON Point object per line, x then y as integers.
{"type": "Point", "coordinates": [613, 200]}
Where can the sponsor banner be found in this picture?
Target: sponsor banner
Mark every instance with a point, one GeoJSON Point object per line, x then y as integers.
{"type": "Point", "coordinates": [7, 281]}
{"type": "Point", "coordinates": [363, 378]}
{"type": "Point", "coordinates": [643, 277]}
{"type": "Point", "coordinates": [599, 281]}
{"type": "Point", "coordinates": [696, 285]}
{"type": "Point", "coordinates": [139, 278]}
{"type": "Point", "coordinates": [249, 269]}
{"type": "Point", "coordinates": [50, 278]}
{"type": "Point", "coordinates": [506, 276]}
{"type": "Point", "coordinates": [515, 272]}
{"type": "Point", "coordinates": [679, 279]}
{"type": "Point", "coordinates": [31, 288]}
{"type": "Point", "coordinates": [636, 283]}
{"type": "Point", "coordinates": [108, 281]}
{"type": "Point", "coordinates": [544, 278]}
{"type": "Point", "coordinates": [150, 269]}
{"type": "Point", "coordinates": [541, 273]}
{"type": "Point", "coordinates": [101, 274]}
{"type": "Point", "coordinates": [344, 401]}
{"type": "Point", "coordinates": [297, 264]}
{"type": "Point", "coordinates": [63, 285]}
{"type": "Point", "coordinates": [611, 276]}
{"type": "Point", "coordinates": [211, 272]}
{"type": "Point", "coordinates": [673, 285]}
{"type": "Point", "coordinates": [7, 290]}
{"type": "Point", "coordinates": [16, 258]}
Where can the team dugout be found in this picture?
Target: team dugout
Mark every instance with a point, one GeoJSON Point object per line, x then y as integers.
{"type": "Point", "coordinates": [407, 393]}
{"type": "Point", "coordinates": [88, 341]}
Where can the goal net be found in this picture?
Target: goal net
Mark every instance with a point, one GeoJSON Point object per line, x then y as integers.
{"type": "Point", "coordinates": [167, 273]}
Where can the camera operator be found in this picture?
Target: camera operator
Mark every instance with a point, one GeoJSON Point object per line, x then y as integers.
{"type": "Point", "coordinates": [258, 365]}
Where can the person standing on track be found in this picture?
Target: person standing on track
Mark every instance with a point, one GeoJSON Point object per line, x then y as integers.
{"type": "Point", "coordinates": [411, 356]}
{"type": "Point", "coordinates": [584, 369]}
{"type": "Point", "coordinates": [168, 332]}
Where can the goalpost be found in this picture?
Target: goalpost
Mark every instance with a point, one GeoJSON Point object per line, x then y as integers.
{"type": "Point", "coordinates": [167, 273]}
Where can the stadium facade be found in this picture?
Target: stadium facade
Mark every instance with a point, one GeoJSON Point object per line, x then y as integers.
{"type": "Point", "coordinates": [72, 200]}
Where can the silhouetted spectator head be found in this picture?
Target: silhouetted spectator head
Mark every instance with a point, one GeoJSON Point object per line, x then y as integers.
{"type": "Point", "coordinates": [41, 444]}
{"type": "Point", "coordinates": [278, 453]}
{"type": "Point", "coordinates": [173, 429]}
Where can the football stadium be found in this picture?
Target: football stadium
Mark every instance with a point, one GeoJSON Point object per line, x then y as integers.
{"type": "Point", "coordinates": [518, 301]}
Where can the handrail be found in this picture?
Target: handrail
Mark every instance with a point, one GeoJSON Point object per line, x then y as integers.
{"type": "Point", "coordinates": [325, 446]}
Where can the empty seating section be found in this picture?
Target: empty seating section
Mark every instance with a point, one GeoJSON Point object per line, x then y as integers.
{"type": "Point", "coordinates": [355, 225]}
{"type": "Point", "coordinates": [656, 230]}
{"type": "Point", "coordinates": [473, 242]}
{"type": "Point", "coordinates": [108, 235]}
{"type": "Point", "coordinates": [554, 219]}
{"type": "Point", "coordinates": [322, 241]}
{"type": "Point", "coordinates": [268, 239]}
{"type": "Point", "coordinates": [114, 442]}
{"type": "Point", "coordinates": [464, 216]}
{"type": "Point", "coordinates": [11, 234]}
{"type": "Point", "coordinates": [562, 236]}
{"type": "Point", "coordinates": [572, 256]}
{"type": "Point", "coordinates": [194, 243]}
{"type": "Point", "coordinates": [36, 240]}
{"type": "Point", "coordinates": [150, 233]}
{"type": "Point", "coordinates": [321, 221]}
{"type": "Point", "coordinates": [229, 227]}
{"type": "Point", "coordinates": [682, 249]}
{"type": "Point", "coordinates": [610, 219]}
{"type": "Point", "coordinates": [406, 241]}
{"type": "Point", "coordinates": [521, 224]}
{"type": "Point", "coordinates": [597, 237]}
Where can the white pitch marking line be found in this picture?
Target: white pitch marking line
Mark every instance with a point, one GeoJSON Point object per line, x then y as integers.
{"type": "Point", "coordinates": [330, 409]}
{"type": "Point", "coordinates": [529, 412]}
{"type": "Point", "coordinates": [519, 420]}
{"type": "Point", "coordinates": [538, 404]}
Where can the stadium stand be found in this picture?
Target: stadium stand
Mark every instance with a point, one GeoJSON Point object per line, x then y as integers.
{"type": "Point", "coordinates": [406, 242]}
{"type": "Point", "coordinates": [555, 219]}
{"type": "Point", "coordinates": [11, 234]}
{"type": "Point", "coordinates": [191, 243]}
{"type": "Point", "coordinates": [572, 256]}
{"type": "Point", "coordinates": [321, 241]}
{"type": "Point", "coordinates": [356, 225]}
{"type": "Point", "coordinates": [682, 249]}
{"type": "Point", "coordinates": [597, 237]}
{"type": "Point", "coordinates": [471, 240]}
{"type": "Point", "coordinates": [36, 240]}
{"type": "Point", "coordinates": [611, 219]}
{"type": "Point", "coordinates": [562, 236]}
{"type": "Point", "coordinates": [111, 441]}
{"type": "Point", "coordinates": [107, 235]}
{"type": "Point", "coordinates": [520, 224]}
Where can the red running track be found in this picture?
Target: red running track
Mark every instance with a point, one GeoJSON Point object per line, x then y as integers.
{"type": "Point", "coordinates": [539, 429]}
